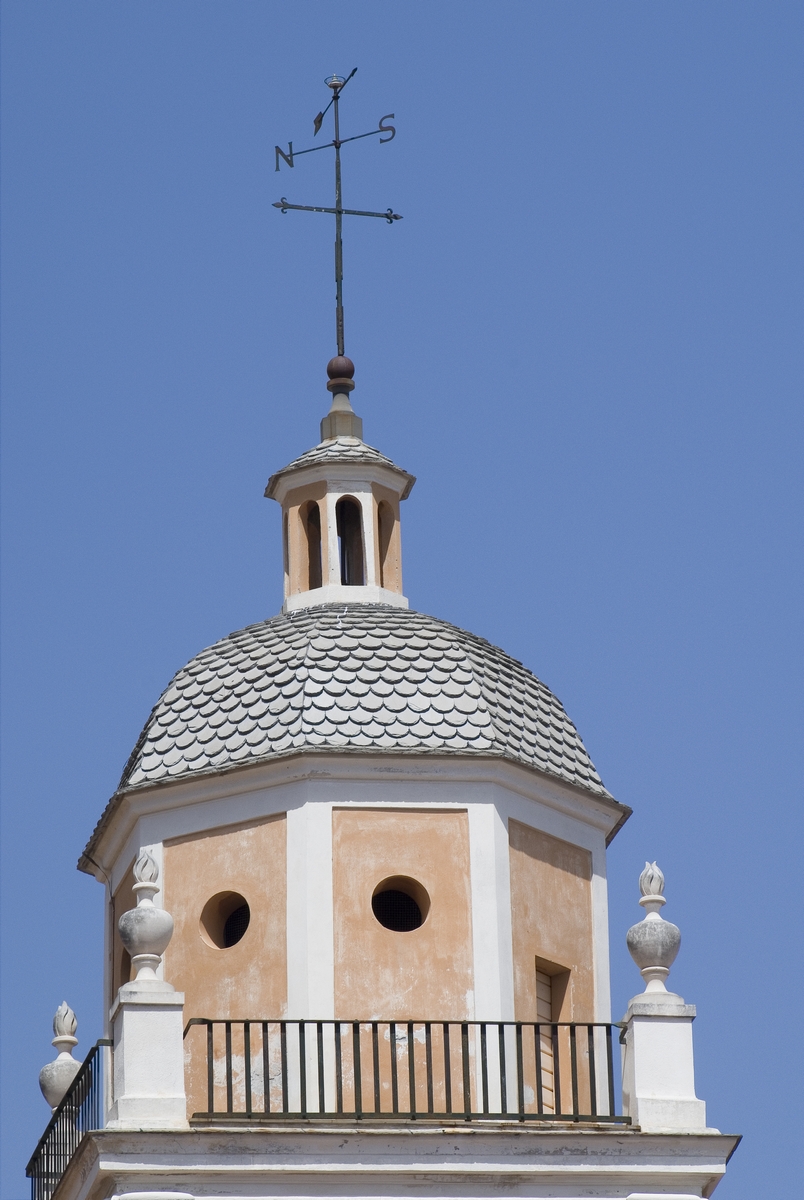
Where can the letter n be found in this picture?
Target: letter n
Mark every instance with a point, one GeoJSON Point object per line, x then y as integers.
{"type": "Point", "coordinates": [287, 157]}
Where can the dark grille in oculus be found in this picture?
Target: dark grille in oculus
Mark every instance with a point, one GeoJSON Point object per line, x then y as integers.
{"type": "Point", "coordinates": [236, 925]}
{"type": "Point", "coordinates": [396, 910]}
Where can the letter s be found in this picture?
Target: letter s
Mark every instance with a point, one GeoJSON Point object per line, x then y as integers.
{"type": "Point", "coordinates": [387, 128]}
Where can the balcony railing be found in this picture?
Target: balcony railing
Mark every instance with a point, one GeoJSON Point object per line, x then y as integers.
{"type": "Point", "coordinates": [264, 1070]}
{"type": "Point", "coordinates": [81, 1110]}
{"type": "Point", "coordinates": [406, 1070]}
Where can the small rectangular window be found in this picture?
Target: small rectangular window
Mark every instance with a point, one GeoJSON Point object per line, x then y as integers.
{"type": "Point", "coordinates": [544, 1015]}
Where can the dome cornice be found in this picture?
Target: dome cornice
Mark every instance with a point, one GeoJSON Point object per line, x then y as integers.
{"type": "Point", "coordinates": [325, 764]}
{"type": "Point", "coordinates": [336, 454]}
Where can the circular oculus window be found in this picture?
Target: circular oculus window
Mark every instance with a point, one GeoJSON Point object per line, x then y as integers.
{"type": "Point", "coordinates": [224, 919]}
{"type": "Point", "coordinates": [400, 904]}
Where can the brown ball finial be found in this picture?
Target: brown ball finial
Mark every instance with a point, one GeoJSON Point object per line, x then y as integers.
{"type": "Point", "coordinates": [340, 367]}
{"type": "Point", "coordinates": [340, 370]}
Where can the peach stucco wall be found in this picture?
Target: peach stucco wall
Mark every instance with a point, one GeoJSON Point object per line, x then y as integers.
{"type": "Point", "coordinates": [250, 978]}
{"type": "Point", "coordinates": [424, 973]}
{"type": "Point", "coordinates": [298, 577]}
{"type": "Point", "coordinates": [551, 916]}
{"type": "Point", "coordinates": [388, 573]}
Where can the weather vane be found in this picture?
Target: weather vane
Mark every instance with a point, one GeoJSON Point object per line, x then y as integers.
{"type": "Point", "coordinates": [337, 84]}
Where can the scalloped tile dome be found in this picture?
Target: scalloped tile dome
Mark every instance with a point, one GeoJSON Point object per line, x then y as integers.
{"type": "Point", "coordinates": [339, 449]}
{"type": "Point", "coordinates": [342, 450]}
{"type": "Point", "coordinates": [358, 677]}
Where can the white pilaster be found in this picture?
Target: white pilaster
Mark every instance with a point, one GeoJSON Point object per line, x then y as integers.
{"type": "Point", "coordinates": [492, 945]}
{"type": "Point", "coordinates": [310, 951]}
{"type": "Point", "coordinates": [600, 933]}
{"type": "Point", "coordinates": [331, 534]}
{"type": "Point", "coordinates": [366, 499]}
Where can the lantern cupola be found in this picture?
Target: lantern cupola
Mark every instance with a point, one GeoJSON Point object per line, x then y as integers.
{"type": "Point", "coordinates": [340, 512]}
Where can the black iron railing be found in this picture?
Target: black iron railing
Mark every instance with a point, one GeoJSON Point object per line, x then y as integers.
{"type": "Point", "coordinates": [81, 1110]}
{"type": "Point", "coordinates": [410, 1070]}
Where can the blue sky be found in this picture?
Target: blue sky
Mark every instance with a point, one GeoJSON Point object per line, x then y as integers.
{"type": "Point", "coordinates": [584, 338]}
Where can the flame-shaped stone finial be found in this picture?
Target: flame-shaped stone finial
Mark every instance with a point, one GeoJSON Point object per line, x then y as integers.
{"type": "Point", "coordinates": [145, 930]}
{"type": "Point", "coordinates": [651, 881]}
{"type": "Point", "coordinates": [654, 942]}
{"type": "Point", "coordinates": [145, 869]}
{"type": "Point", "coordinates": [55, 1078]}
{"type": "Point", "coordinates": [65, 1022]}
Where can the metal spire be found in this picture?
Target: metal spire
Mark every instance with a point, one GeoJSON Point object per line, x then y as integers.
{"type": "Point", "coordinates": [337, 84]}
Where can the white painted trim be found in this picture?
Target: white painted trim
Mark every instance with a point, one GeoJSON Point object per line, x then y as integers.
{"type": "Point", "coordinates": [381, 789]}
{"type": "Point", "coordinates": [170, 803]}
{"type": "Point", "coordinates": [337, 593]}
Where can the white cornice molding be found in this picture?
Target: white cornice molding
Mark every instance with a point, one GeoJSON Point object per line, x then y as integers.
{"type": "Point", "coordinates": [109, 841]}
{"type": "Point", "coordinates": [345, 477]}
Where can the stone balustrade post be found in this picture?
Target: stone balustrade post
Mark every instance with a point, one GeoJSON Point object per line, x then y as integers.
{"type": "Point", "coordinates": [147, 1020]}
{"type": "Point", "coordinates": [658, 1066]}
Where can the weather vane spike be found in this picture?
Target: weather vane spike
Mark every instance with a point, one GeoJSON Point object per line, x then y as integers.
{"type": "Point", "coordinates": [337, 84]}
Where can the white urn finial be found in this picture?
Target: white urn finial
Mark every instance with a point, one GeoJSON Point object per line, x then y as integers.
{"type": "Point", "coordinates": [653, 943]}
{"type": "Point", "coordinates": [55, 1077]}
{"type": "Point", "coordinates": [145, 930]}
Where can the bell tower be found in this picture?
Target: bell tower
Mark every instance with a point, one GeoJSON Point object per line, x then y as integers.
{"type": "Point", "coordinates": [356, 924]}
{"type": "Point", "coordinates": [357, 913]}
{"type": "Point", "coordinates": [340, 512]}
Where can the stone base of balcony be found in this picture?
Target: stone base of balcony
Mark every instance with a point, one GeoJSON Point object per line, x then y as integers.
{"type": "Point", "coordinates": [400, 1160]}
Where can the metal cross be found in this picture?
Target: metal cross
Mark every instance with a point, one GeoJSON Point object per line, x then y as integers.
{"type": "Point", "coordinates": [337, 84]}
